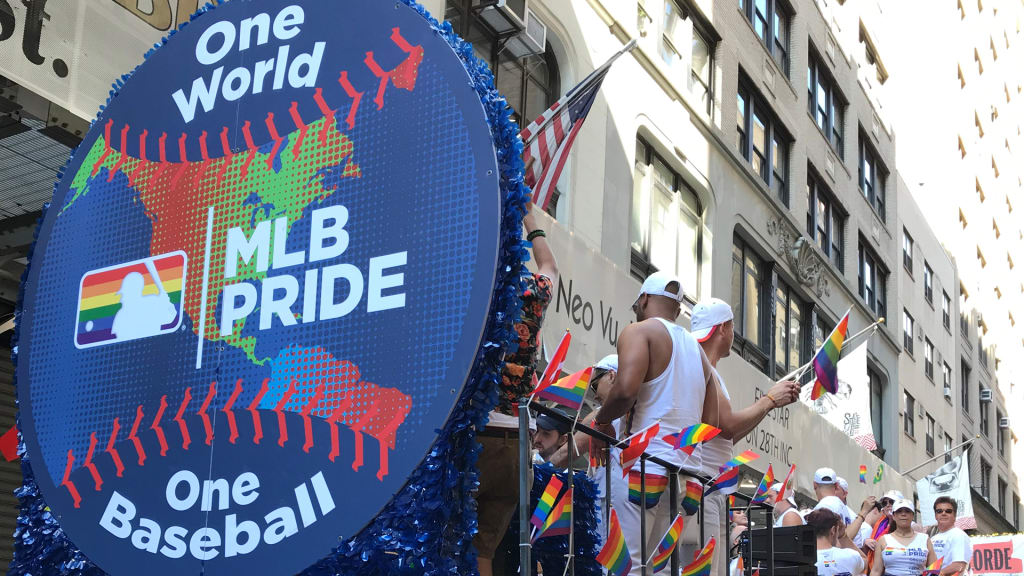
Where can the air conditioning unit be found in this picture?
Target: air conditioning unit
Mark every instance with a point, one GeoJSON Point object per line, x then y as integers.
{"type": "Point", "coordinates": [947, 392]}
{"type": "Point", "coordinates": [1004, 422]}
{"type": "Point", "coordinates": [530, 41]}
{"type": "Point", "coordinates": [920, 411]}
{"type": "Point", "coordinates": [985, 395]}
{"type": "Point", "coordinates": [504, 17]}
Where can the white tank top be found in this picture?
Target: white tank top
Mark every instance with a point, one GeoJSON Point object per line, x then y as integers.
{"type": "Point", "coordinates": [718, 450]}
{"type": "Point", "coordinates": [781, 519]}
{"type": "Point", "coordinates": [675, 398]}
{"type": "Point", "coordinates": [903, 560]}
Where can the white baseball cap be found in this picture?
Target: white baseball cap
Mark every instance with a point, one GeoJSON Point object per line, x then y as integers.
{"type": "Point", "coordinates": [902, 504]}
{"type": "Point", "coordinates": [708, 315]}
{"type": "Point", "coordinates": [842, 484]}
{"type": "Point", "coordinates": [824, 476]}
{"type": "Point", "coordinates": [893, 495]}
{"type": "Point", "coordinates": [609, 362]}
{"type": "Point", "coordinates": [657, 284]}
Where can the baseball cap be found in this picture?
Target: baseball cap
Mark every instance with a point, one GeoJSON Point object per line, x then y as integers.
{"type": "Point", "coordinates": [546, 422]}
{"type": "Point", "coordinates": [824, 476]}
{"type": "Point", "coordinates": [708, 315]}
{"type": "Point", "coordinates": [902, 504]}
{"type": "Point", "coordinates": [657, 284]}
{"type": "Point", "coordinates": [777, 488]}
{"type": "Point", "coordinates": [609, 362]}
{"type": "Point", "coordinates": [893, 495]}
{"type": "Point", "coordinates": [842, 484]}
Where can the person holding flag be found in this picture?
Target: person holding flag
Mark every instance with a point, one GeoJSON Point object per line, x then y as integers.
{"type": "Point", "coordinates": [833, 560]}
{"type": "Point", "coordinates": [951, 543]}
{"type": "Point", "coordinates": [826, 488]}
{"type": "Point", "coordinates": [904, 551]}
{"type": "Point", "coordinates": [786, 511]}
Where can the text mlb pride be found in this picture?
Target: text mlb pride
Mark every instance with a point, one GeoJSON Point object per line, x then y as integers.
{"type": "Point", "coordinates": [278, 294]}
{"type": "Point", "coordinates": [206, 543]}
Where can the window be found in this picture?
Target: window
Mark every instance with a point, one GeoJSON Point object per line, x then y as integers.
{"type": "Point", "coordinates": [983, 412]}
{"type": "Point", "coordinates": [824, 102]}
{"type": "Point", "coordinates": [929, 282]}
{"type": "Point", "coordinates": [965, 320]}
{"type": "Point", "coordinates": [762, 140]}
{"type": "Point", "coordinates": [908, 332]}
{"type": "Point", "coordinates": [945, 310]}
{"type": "Point", "coordinates": [878, 419]}
{"type": "Point", "coordinates": [986, 479]}
{"type": "Point", "coordinates": [1016, 512]}
{"type": "Point", "coordinates": [1001, 497]}
{"type": "Point", "coordinates": [871, 279]}
{"type": "Point", "coordinates": [947, 447]}
{"type": "Point", "coordinates": [530, 85]}
{"type": "Point", "coordinates": [947, 382]}
{"type": "Point", "coordinates": [965, 390]}
{"type": "Point", "coordinates": [789, 328]}
{"type": "Point", "coordinates": [872, 177]}
{"type": "Point", "coordinates": [666, 224]}
{"type": "Point", "coordinates": [1000, 435]}
{"type": "Point", "coordinates": [908, 252]}
{"type": "Point", "coordinates": [908, 414]}
{"type": "Point", "coordinates": [825, 219]}
{"type": "Point", "coordinates": [929, 435]}
{"type": "Point", "coordinates": [929, 360]}
{"type": "Point", "coordinates": [747, 290]}
{"type": "Point", "coordinates": [770, 19]}
{"type": "Point", "coordinates": [676, 31]}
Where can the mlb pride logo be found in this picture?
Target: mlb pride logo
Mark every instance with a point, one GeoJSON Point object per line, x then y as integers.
{"type": "Point", "coordinates": [130, 301]}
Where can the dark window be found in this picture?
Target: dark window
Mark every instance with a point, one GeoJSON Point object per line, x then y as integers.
{"type": "Point", "coordinates": [908, 414]}
{"type": "Point", "coordinates": [983, 411]}
{"type": "Point", "coordinates": [878, 418]}
{"type": "Point", "coordinates": [947, 382]}
{"type": "Point", "coordinates": [871, 279]}
{"type": "Point", "coordinates": [929, 281]}
{"type": "Point", "coordinates": [1000, 435]}
{"type": "Point", "coordinates": [908, 332]}
{"type": "Point", "coordinates": [965, 386]}
{"type": "Point", "coordinates": [986, 479]}
{"type": "Point", "coordinates": [1001, 497]}
{"type": "Point", "coordinates": [946, 304]}
{"type": "Point", "coordinates": [825, 219]}
{"type": "Point", "coordinates": [929, 435]}
{"type": "Point", "coordinates": [789, 319]}
{"type": "Point", "coordinates": [749, 308]}
{"type": "Point", "coordinates": [948, 447]}
{"type": "Point", "coordinates": [872, 176]}
{"type": "Point", "coordinates": [824, 102]}
{"type": "Point", "coordinates": [965, 318]}
{"type": "Point", "coordinates": [1016, 512]}
{"type": "Point", "coordinates": [762, 140]}
{"type": "Point", "coordinates": [771, 24]}
{"type": "Point", "coordinates": [929, 359]}
{"type": "Point", "coordinates": [908, 252]}
{"type": "Point", "coordinates": [666, 227]}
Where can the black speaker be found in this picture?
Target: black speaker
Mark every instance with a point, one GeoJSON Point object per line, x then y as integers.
{"type": "Point", "coordinates": [796, 570]}
{"type": "Point", "coordinates": [792, 546]}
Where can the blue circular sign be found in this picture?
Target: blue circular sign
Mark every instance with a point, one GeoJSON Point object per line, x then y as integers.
{"type": "Point", "coordinates": [260, 288]}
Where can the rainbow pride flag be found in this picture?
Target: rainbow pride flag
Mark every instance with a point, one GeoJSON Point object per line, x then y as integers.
{"type": "Point", "coordinates": [744, 458]}
{"type": "Point", "coordinates": [692, 496]}
{"type": "Point", "coordinates": [664, 552]}
{"type": "Point", "coordinates": [635, 449]}
{"type": "Point", "coordinates": [654, 487]}
{"type": "Point", "coordinates": [559, 521]}
{"type": "Point", "coordinates": [826, 360]}
{"type": "Point", "coordinates": [701, 565]}
{"type": "Point", "coordinates": [547, 501]}
{"type": "Point", "coordinates": [144, 295]}
{"type": "Point", "coordinates": [568, 391]}
{"type": "Point", "coordinates": [881, 527]}
{"type": "Point", "coordinates": [692, 435]}
{"type": "Point", "coordinates": [554, 367]}
{"type": "Point", "coordinates": [863, 474]}
{"type": "Point", "coordinates": [761, 494]}
{"type": "Point", "coordinates": [934, 568]}
{"type": "Point", "coordinates": [614, 555]}
{"type": "Point", "coordinates": [727, 482]}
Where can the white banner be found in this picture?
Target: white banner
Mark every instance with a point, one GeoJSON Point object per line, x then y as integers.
{"type": "Point", "coordinates": [952, 479]}
{"type": "Point", "coordinates": [849, 409]}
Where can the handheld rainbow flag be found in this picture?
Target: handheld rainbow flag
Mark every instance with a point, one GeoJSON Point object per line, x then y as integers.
{"type": "Point", "coordinates": [761, 494]}
{"type": "Point", "coordinates": [560, 521]}
{"type": "Point", "coordinates": [664, 552]}
{"type": "Point", "coordinates": [826, 360]}
{"type": "Point", "coordinates": [727, 482]}
{"type": "Point", "coordinates": [692, 435]}
{"type": "Point", "coordinates": [569, 391]}
{"type": "Point", "coordinates": [863, 474]}
{"type": "Point", "coordinates": [637, 444]}
{"type": "Point", "coordinates": [881, 527]}
{"type": "Point", "coordinates": [878, 473]}
{"type": "Point", "coordinates": [744, 458]}
{"type": "Point", "coordinates": [692, 496]}
{"type": "Point", "coordinates": [934, 568]}
{"type": "Point", "coordinates": [653, 488]}
{"type": "Point", "coordinates": [547, 501]}
{"type": "Point", "coordinates": [614, 555]}
{"type": "Point", "coordinates": [701, 565]}
{"type": "Point", "coordinates": [554, 367]}
{"type": "Point", "coordinates": [785, 483]}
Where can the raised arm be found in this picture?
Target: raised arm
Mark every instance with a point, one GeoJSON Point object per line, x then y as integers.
{"type": "Point", "coordinates": [542, 254]}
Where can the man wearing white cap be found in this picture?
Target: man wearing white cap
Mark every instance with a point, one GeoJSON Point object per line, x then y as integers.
{"type": "Point", "coordinates": [712, 325]}
{"type": "Point", "coordinates": [825, 480]}
{"type": "Point", "coordinates": [663, 378]}
{"type": "Point", "coordinates": [786, 512]}
{"type": "Point", "coordinates": [843, 493]}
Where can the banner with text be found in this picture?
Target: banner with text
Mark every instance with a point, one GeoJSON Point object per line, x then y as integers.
{"type": "Point", "coordinates": [998, 555]}
{"type": "Point", "coordinates": [849, 409]}
{"type": "Point", "coordinates": [952, 479]}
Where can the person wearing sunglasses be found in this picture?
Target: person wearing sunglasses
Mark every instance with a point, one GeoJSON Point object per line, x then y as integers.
{"type": "Point", "coordinates": [951, 543]}
{"type": "Point", "coordinates": [904, 551]}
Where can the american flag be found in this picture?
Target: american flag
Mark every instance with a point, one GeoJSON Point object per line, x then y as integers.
{"type": "Point", "coordinates": [547, 139]}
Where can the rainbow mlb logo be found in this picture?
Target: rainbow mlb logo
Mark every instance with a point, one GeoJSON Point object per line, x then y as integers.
{"type": "Point", "coordinates": [130, 301]}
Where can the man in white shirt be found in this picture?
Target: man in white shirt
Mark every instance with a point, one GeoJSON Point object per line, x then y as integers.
{"type": "Point", "coordinates": [843, 493]}
{"type": "Point", "coordinates": [825, 489]}
{"type": "Point", "coordinates": [786, 512]}
{"type": "Point", "coordinates": [833, 560]}
{"type": "Point", "coordinates": [951, 543]}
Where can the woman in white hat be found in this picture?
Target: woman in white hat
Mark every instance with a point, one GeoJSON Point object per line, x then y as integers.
{"type": "Point", "coordinates": [904, 552]}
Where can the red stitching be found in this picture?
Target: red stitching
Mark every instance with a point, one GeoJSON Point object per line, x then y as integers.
{"type": "Point", "coordinates": [275, 137]}
{"type": "Point", "coordinates": [163, 147]}
{"type": "Point", "coordinates": [106, 147]}
{"type": "Point", "coordinates": [66, 482]}
{"type": "Point", "coordinates": [204, 415]}
{"type": "Point", "coordinates": [328, 114]}
{"type": "Point", "coordinates": [254, 410]}
{"type": "Point", "coordinates": [300, 126]}
{"type": "Point", "coordinates": [90, 466]}
{"type": "Point", "coordinates": [186, 439]}
{"type": "Point", "coordinates": [124, 156]}
{"type": "Point", "coordinates": [135, 439]}
{"type": "Point", "coordinates": [156, 424]}
{"type": "Point", "coordinates": [118, 465]}
{"type": "Point", "coordinates": [227, 409]}
{"type": "Point", "coordinates": [356, 97]}
{"type": "Point", "coordinates": [307, 425]}
{"type": "Point", "coordinates": [202, 147]}
{"type": "Point", "coordinates": [282, 429]}
{"type": "Point", "coordinates": [252, 149]}
{"type": "Point", "coordinates": [224, 141]}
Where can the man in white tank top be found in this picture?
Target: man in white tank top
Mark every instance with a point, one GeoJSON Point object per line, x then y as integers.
{"type": "Point", "coordinates": [712, 326]}
{"type": "Point", "coordinates": [663, 377]}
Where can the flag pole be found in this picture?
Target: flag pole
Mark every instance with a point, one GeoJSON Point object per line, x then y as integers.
{"type": "Point", "coordinates": [801, 370]}
{"type": "Point", "coordinates": [572, 457]}
{"type": "Point", "coordinates": [934, 458]}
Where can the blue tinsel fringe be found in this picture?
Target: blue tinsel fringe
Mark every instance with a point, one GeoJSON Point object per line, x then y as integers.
{"type": "Point", "coordinates": [428, 528]}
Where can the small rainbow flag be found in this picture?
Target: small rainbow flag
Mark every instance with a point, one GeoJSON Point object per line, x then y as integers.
{"type": "Point", "coordinates": [881, 527]}
{"type": "Point", "coordinates": [745, 458]}
{"type": "Point", "coordinates": [554, 368]}
{"type": "Point", "coordinates": [547, 501]}
{"type": "Point", "coordinates": [692, 496]}
{"type": "Point", "coordinates": [560, 521]}
{"type": "Point", "coordinates": [727, 482]}
{"type": "Point", "coordinates": [614, 555]}
{"type": "Point", "coordinates": [878, 473]}
{"type": "Point", "coordinates": [761, 494]}
{"type": "Point", "coordinates": [568, 391]}
{"type": "Point", "coordinates": [701, 565]}
{"type": "Point", "coordinates": [692, 435]}
{"type": "Point", "coordinates": [637, 444]}
{"type": "Point", "coordinates": [664, 552]}
{"type": "Point", "coordinates": [863, 474]}
{"type": "Point", "coordinates": [934, 568]}
{"type": "Point", "coordinates": [144, 297]}
{"type": "Point", "coordinates": [654, 487]}
{"type": "Point", "coordinates": [826, 360]}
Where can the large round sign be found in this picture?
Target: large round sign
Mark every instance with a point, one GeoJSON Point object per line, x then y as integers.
{"type": "Point", "coordinates": [260, 288]}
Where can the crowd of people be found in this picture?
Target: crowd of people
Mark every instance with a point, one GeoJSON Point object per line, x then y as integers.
{"type": "Point", "coordinates": [665, 374]}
